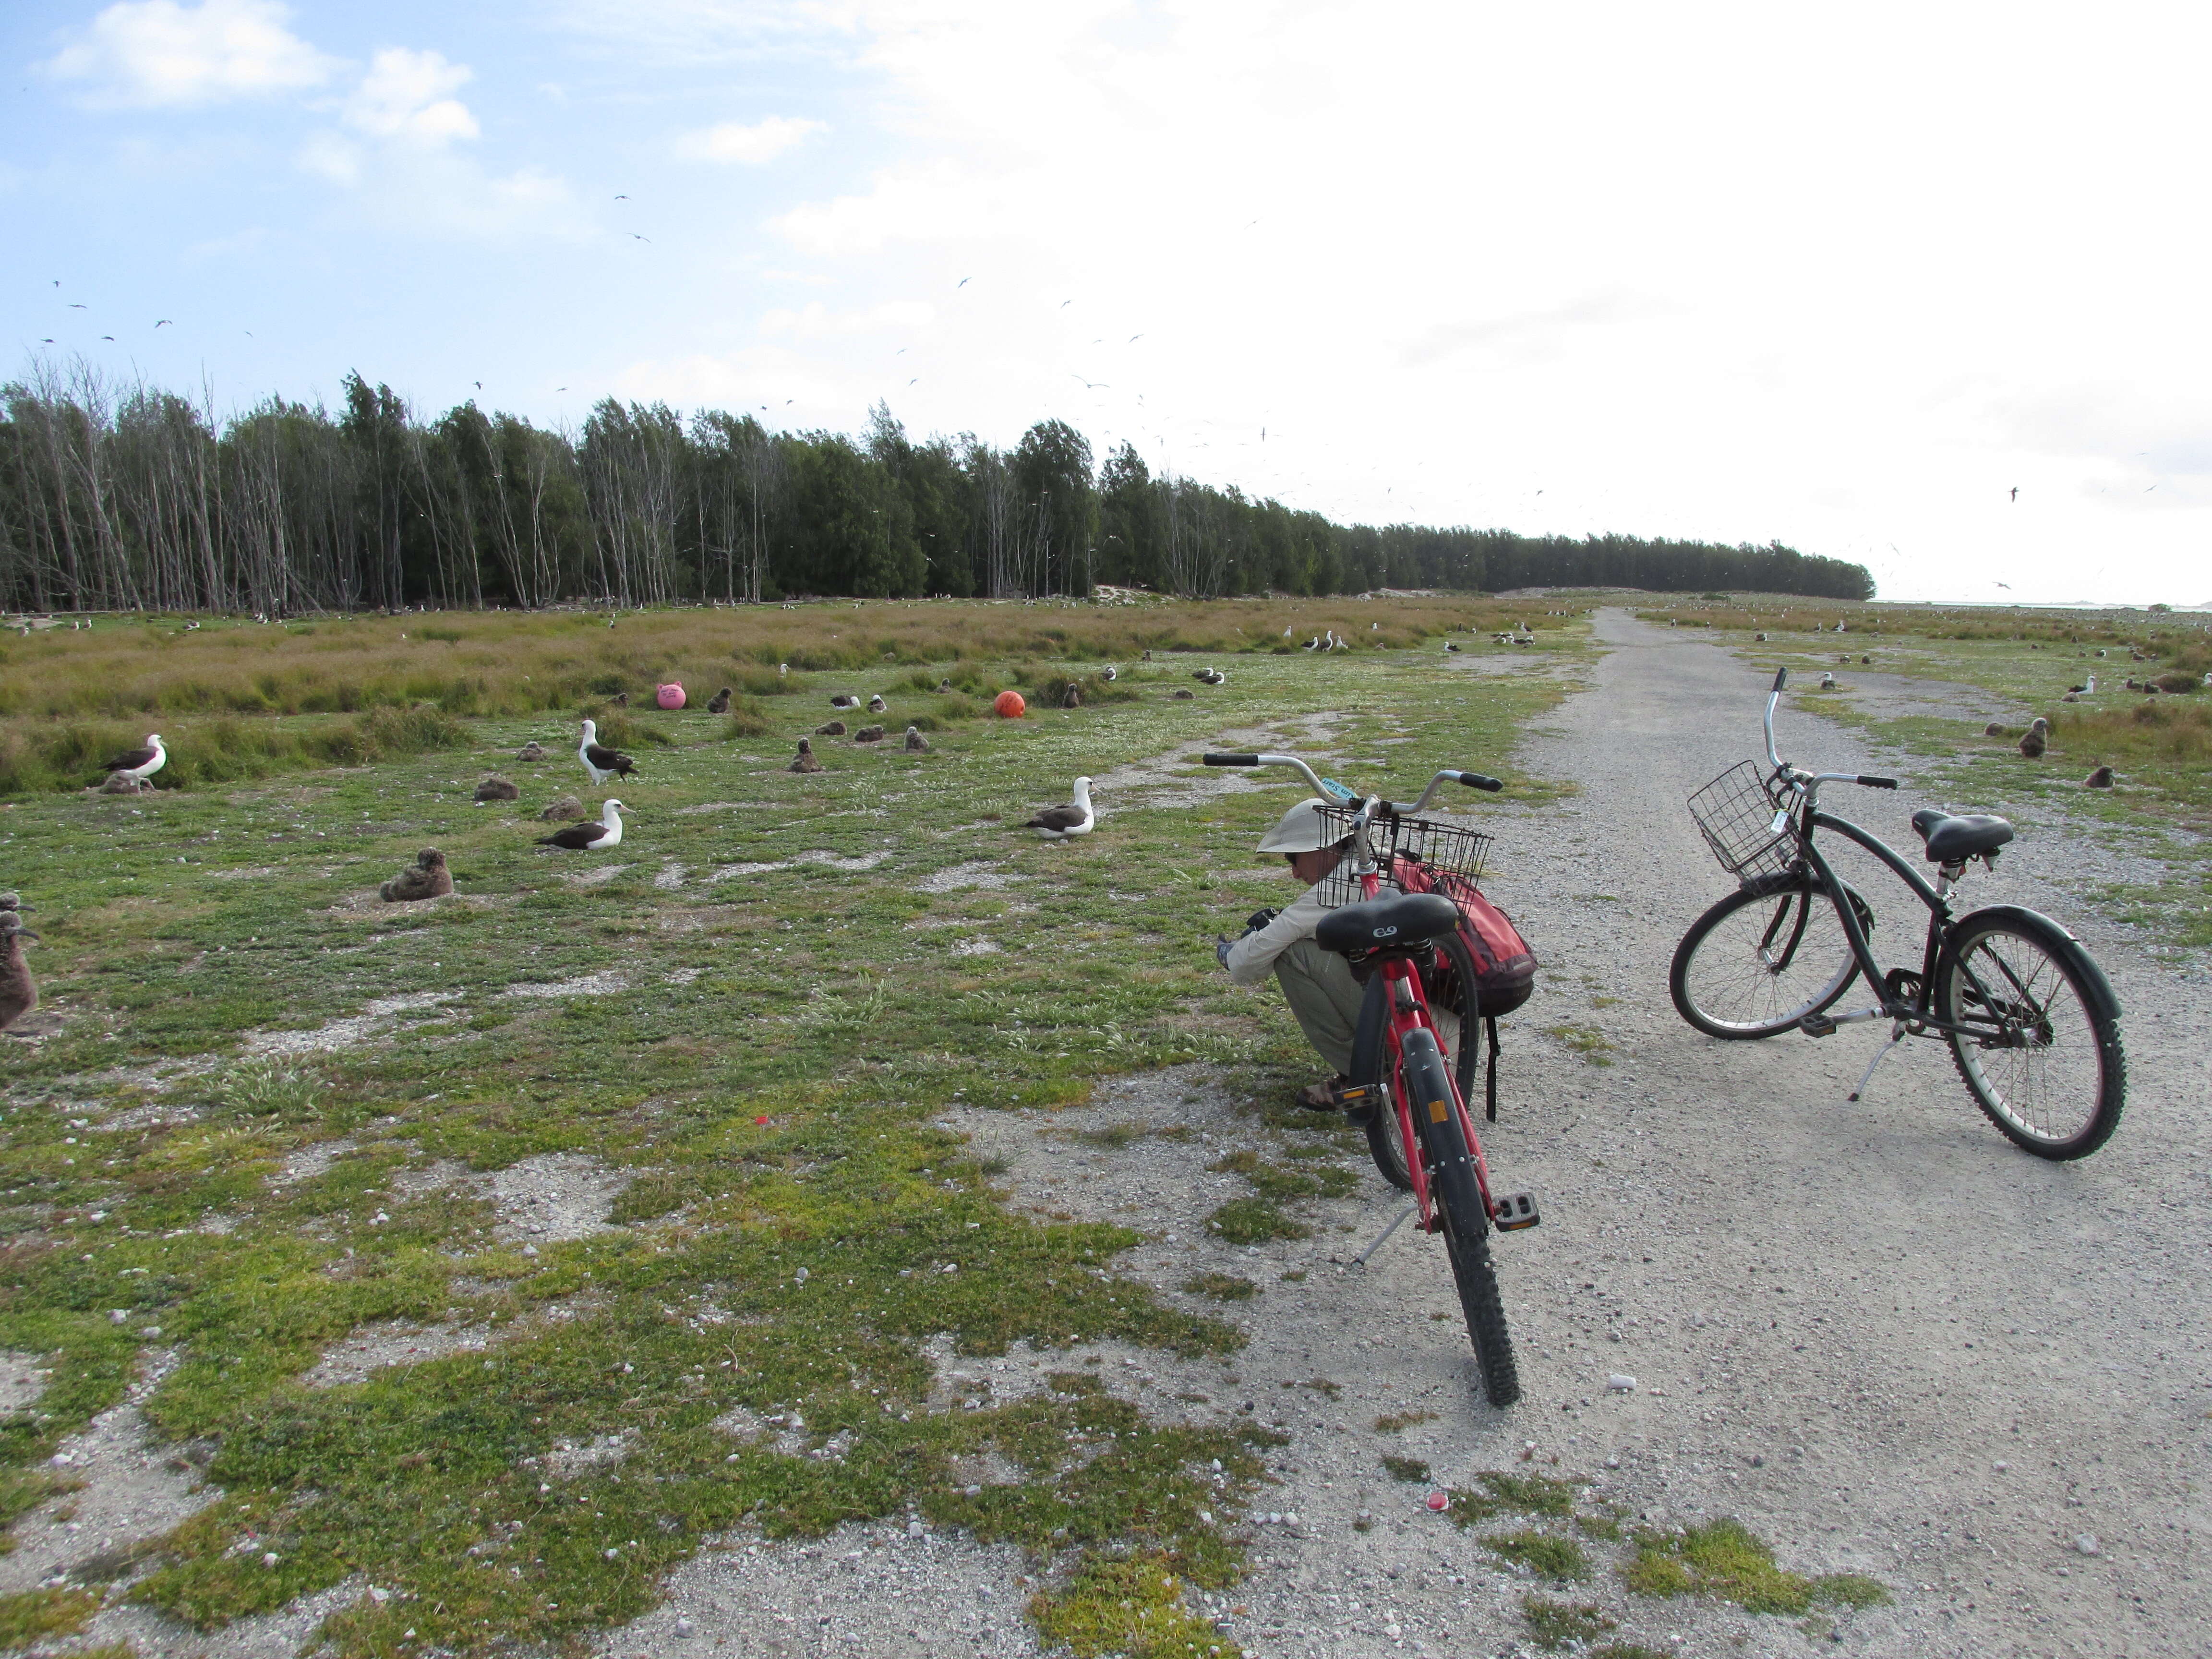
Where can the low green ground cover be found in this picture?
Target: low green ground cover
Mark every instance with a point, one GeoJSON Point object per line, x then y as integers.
{"type": "Point", "coordinates": [753, 1013]}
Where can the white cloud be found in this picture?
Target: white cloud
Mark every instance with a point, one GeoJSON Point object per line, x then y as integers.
{"type": "Point", "coordinates": [732, 141]}
{"type": "Point", "coordinates": [157, 53]}
{"type": "Point", "coordinates": [404, 98]}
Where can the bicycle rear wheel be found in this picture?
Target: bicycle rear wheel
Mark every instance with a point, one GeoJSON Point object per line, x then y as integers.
{"type": "Point", "coordinates": [1458, 1197]}
{"type": "Point", "coordinates": [2045, 1062]}
{"type": "Point", "coordinates": [1763, 958]}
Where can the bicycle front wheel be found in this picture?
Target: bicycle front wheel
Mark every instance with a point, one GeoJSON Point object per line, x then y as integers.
{"type": "Point", "coordinates": [1763, 958]}
{"type": "Point", "coordinates": [2043, 1057]}
{"type": "Point", "coordinates": [1458, 1197]}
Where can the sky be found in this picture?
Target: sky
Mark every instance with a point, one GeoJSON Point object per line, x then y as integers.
{"type": "Point", "coordinates": [1848, 280]}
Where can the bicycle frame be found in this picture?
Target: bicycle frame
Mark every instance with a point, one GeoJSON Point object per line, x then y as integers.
{"type": "Point", "coordinates": [1803, 818]}
{"type": "Point", "coordinates": [1409, 1012]}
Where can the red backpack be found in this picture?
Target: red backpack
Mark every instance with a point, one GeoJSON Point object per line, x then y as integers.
{"type": "Point", "coordinates": [1505, 966]}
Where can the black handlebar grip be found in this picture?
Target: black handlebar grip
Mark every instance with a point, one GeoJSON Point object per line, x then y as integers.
{"type": "Point", "coordinates": [1228, 760]}
{"type": "Point", "coordinates": [1781, 678]}
{"type": "Point", "coordinates": [1481, 780]}
{"type": "Point", "coordinates": [1877, 783]}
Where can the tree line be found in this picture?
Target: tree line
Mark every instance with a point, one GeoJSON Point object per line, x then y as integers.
{"type": "Point", "coordinates": [137, 498]}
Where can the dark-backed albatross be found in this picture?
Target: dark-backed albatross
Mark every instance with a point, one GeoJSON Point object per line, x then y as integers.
{"type": "Point", "coordinates": [590, 837]}
{"type": "Point", "coordinates": [1060, 822]}
{"type": "Point", "coordinates": [136, 765]}
{"type": "Point", "coordinates": [601, 761]}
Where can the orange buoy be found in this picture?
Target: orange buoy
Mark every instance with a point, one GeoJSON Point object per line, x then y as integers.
{"type": "Point", "coordinates": [669, 696]}
{"type": "Point", "coordinates": [1008, 705]}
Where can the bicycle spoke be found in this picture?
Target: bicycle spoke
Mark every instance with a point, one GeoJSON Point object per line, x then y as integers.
{"type": "Point", "coordinates": [2032, 1057]}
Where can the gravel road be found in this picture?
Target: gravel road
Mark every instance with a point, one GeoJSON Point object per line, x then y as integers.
{"type": "Point", "coordinates": [1883, 1339]}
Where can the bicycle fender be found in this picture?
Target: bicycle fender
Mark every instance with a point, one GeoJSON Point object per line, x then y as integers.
{"type": "Point", "coordinates": [2062, 942]}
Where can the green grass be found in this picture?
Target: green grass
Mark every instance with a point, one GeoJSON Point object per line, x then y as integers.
{"type": "Point", "coordinates": [1398, 1422]}
{"type": "Point", "coordinates": [1726, 1560]}
{"type": "Point", "coordinates": [1126, 1607]}
{"type": "Point", "coordinates": [1410, 1469]}
{"type": "Point", "coordinates": [40, 1615]}
{"type": "Point", "coordinates": [1543, 1553]}
{"type": "Point", "coordinates": [1497, 1493]}
{"type": "Point", "coordinates": [767, 1073]}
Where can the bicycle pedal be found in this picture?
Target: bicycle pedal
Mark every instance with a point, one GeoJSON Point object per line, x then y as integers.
{"type": "Point", "coordinates": [1358, 1101]}
{"type": "Point", "coordinates": [1817, 1025]}
{"type": "Point", "coordinates": [1514, 1211]}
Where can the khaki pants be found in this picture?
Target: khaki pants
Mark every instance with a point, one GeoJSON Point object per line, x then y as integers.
{"type": "Point", "coordinates": [1324, 999]}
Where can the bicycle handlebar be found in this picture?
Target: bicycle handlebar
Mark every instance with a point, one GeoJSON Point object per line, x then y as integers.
{"type": "Point", "coordinates": [1869, 782]}
{"type": "Point", "coordinates": [1481, 780]}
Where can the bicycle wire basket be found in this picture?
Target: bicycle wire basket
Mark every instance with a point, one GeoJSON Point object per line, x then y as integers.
{"type": "Point", "coordinates": [1441, 847]}
{"type": "Point", "coordinates": [1736, 814]}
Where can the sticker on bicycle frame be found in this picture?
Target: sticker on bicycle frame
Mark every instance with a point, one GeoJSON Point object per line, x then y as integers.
{"type": "Point", "coordinates": [1439, 1111]}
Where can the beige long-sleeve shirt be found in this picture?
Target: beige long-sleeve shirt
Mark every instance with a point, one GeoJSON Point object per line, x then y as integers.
{"type": "Point", "coordinates": [1252, 958]}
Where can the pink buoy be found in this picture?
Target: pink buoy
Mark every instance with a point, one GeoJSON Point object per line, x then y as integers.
{"type": "Point", "coordinates": [1009, 705]}
{"type": "Point", "coordinates": [1439, 1501]}
{"type": "Point", "coordinates": [669, 696]}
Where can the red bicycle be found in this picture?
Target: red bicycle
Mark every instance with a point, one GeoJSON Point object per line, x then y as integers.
{"type": "Point", "coordinates": [1403, 1090]}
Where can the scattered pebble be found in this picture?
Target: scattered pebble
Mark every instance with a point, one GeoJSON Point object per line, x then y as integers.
{"type": "Point", "coordinates": [2086, 1544]}
{"type": "Point", "coordinates": [1621, 1383]}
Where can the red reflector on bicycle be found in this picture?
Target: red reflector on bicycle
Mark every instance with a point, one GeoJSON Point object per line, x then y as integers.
{"type": "Point", "coordinates": [1439, 1111]}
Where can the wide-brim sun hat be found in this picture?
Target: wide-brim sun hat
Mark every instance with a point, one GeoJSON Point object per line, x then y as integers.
{"type": "Point", "coordinates": [1302, 830]}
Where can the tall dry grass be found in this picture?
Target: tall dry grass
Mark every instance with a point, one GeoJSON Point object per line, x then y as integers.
{"type": "Point", "coordinates": [508, 663]}
{"type": "Point", "coordinates": [41, 755]}
{"type": "Point", "coordinates": [2172, 734]}
{"type": "Point", "coordinates": [69, 698]}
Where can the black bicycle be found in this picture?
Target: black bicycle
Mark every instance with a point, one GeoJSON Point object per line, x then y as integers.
{"type": "Point", "coordinates": [2031, 1022]}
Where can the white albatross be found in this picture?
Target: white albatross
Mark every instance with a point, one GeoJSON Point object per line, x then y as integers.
{"type": "Point", "coordinates": [601, 761]}
{"type": "Point", "coordinates": [590, 837]}
{"type": "Point", "coordinates": [136, 765]}
{"type": "Point", "coordinates": [1061, 822]}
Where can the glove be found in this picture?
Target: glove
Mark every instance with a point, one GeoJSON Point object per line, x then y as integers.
{"type": "Point", "coordinates": [1260, 919]}
{"type": "Point", "coordinates": [1221, 943]}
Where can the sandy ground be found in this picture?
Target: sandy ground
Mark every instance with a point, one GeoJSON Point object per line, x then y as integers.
{"type": "Point", "coordinates": [1884, 1340]}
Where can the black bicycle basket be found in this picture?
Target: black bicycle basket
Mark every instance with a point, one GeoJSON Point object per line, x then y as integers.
{"type": "Point", "coordinates": [1737, 813]}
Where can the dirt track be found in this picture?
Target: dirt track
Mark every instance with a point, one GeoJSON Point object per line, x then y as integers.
{"type": "Point", "coordinates": [1884, 1340]}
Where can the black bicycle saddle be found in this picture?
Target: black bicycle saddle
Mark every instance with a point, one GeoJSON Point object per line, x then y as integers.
{"type": "Point", "coordinates": [1383, 924]}
{"type": "Point", "coordinates": [1952, 839]}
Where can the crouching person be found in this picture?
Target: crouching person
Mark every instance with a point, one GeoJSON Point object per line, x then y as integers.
{"type": "Point", "coordinates": [1323, 997]}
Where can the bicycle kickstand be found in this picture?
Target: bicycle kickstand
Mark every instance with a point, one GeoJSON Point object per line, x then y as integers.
{"type": "Point", "coordinates": [1360, 1261]}
{"type": "Point", "coordinates": [1896, 1036]}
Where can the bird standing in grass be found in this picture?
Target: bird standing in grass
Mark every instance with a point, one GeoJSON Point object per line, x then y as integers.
{"type": "Point", "coordinates": [492, 787]}
{"type": "Point", "coordinates": [598, 837]}
{"type": "Point", "coordinates": [19, 992]}
{"type": "Point", "coordinates": [915, 743]}
{"type": "Point", "coordinates": [1060, 823]}
{"type": "Point", "coordinates": [135, 766]}
{"type": "Point", "coordinates": [720, 702]}
{"type": "Point", "coordinates": [2037, 740]}
{"type": "Point", "coordinates": [877, 705]}
{"type": "Point", "coordinates": [1993, 730]}
{"type": "Point", "coordinates": [1072, 698]}
{"type": "Point", "coordinates": [428, 878]}
{"type": "Point", "coordinates": [845, 700]}
{"type": "Point", "coordinates": [532, 750]}
{"type": "Point", "coordinates": [601, 761]}
{"type": "Point", "coordinates": [805, 762]}
{"type": "Point", "coordinates": [2099, 779]}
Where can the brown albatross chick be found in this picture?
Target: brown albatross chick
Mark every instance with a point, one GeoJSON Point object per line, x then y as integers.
{"type": "Point", "coordinates": [805, 762]}
{"type": "Point", "coordinates": [720, 702]}
{"type": "Point", "coordinates": [2038, 739]}
{"type": "Point", "coordinates": [2099, 779]}
{"type": "Point", "coordinates": [566, 809]}
{"type": "Point", "coordinates": [915, 743]}
{"type": "Point", "coordinates": [19, 994]}
{"type": "Point", "coordinates": [429, 880]}
{"type": "Point", "coordinates": [495, 788]}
